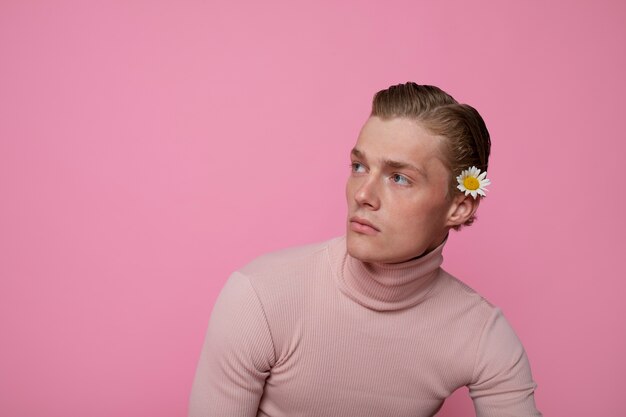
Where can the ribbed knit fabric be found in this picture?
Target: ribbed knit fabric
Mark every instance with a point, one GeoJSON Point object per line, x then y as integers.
{"type": "Point", "coordinates": [311, 331]}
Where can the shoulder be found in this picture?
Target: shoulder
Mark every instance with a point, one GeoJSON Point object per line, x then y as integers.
{"type": "Point", "coordinates": [486, 319]}
{"type": "Point", "coordinates": [297, 259]}
{"type": "Point", "coordinates": [464, 297]}
{"type": "Point", "coordinates": [285, 283]}
{"type": "Point", "coordinates": [499, 376]}
{"type": "Point", "coordinates": [489, 341]}
{"type": "Point", "coordinates": [287, 275]}
{"type": "Point", "coordinates": [466, 308]}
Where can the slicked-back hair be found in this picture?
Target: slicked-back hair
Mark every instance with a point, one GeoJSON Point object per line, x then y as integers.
{"type": "Point", "coordinates": [467, 142]}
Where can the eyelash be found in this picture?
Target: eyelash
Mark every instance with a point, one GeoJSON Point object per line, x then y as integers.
{"type": "Point", "coordinates": [393, 176]}
{"type": "Point", "coordinates": [353, 165]}
{"type": "Point", "coordinates": [403, 177]}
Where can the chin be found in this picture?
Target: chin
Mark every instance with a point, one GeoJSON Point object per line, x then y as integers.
{"type": "Point", "coordinates": [362, 250]}
{"type": "Point", "coordinates": [366, 249]}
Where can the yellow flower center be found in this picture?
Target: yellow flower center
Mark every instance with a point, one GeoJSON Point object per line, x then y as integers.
{"type": "Point", "coordinates": [471, 183]}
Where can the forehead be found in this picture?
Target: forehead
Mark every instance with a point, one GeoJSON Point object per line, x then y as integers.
{"type": "Point", "coordinates": [400, 139]}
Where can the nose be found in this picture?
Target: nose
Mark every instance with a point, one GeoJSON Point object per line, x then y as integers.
{"type": "Point", "coordinates": [366, 195]}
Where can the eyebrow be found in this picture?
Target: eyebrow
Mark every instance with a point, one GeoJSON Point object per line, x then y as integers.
{"type": "Point", "coordinates": [357, 153]}
{"type": "Point", "coordinates": [391, 163]}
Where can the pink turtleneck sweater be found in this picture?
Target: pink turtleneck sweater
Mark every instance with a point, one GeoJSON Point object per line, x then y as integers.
{"type": "Point", "coordinates": [311, 331]}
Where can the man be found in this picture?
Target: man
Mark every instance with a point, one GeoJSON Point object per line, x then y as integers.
{"type": "Point", "coordinates": [368, 324]}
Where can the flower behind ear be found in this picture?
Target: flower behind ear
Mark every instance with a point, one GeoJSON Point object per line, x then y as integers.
{"type": "Point", "coordinates": [471, 181]}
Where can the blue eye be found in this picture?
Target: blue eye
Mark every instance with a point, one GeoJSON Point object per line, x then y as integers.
{"type": "Point", "coordinates": [400, 179]}
{"type": "Point", "coordinates": [357, 167]}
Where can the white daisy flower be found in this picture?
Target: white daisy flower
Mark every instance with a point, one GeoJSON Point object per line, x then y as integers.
{"type": "Point", "coordinates": [471, 181]}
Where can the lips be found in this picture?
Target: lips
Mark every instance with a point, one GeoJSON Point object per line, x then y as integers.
{"type": "Point", "coordinates": [361, 225]}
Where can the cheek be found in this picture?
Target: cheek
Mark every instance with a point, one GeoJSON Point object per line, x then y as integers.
{"type": "Point", "coordinates": [416, 218]}
{"type": "Point", "coordinates": [348, 190]}
{"type": "Point", "coordinates": [407, 216]}
{"type": "Point", "coordinates": [352, 185]}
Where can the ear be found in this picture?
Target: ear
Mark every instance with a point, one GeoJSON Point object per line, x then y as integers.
{"type": "Point", "coordinates": [463, 207]}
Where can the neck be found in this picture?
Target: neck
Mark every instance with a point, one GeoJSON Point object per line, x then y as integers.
{"type": "Point", "coordinates": [428, 250]}
{"type": "Point", "coordinates": [390, 286]}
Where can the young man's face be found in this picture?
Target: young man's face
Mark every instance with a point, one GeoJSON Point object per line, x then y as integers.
{"type": "Point", "coordinates": [396, 192]}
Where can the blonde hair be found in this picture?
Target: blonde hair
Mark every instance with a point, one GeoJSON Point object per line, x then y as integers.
{"type": "Point", "coordinates": [467, 138]}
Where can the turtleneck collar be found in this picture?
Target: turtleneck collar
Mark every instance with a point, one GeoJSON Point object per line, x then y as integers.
{"type": "Point", "coordinates": [388, 287]}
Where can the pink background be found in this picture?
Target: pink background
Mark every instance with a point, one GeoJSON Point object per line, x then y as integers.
{"type": "Point", "coordinates": [148, 149]}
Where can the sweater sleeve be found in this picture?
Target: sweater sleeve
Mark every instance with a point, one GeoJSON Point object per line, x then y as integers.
{"type": "Point", "coordinates": [236, 357]}
{"type": "Point", "coordinates": [502, 384]}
